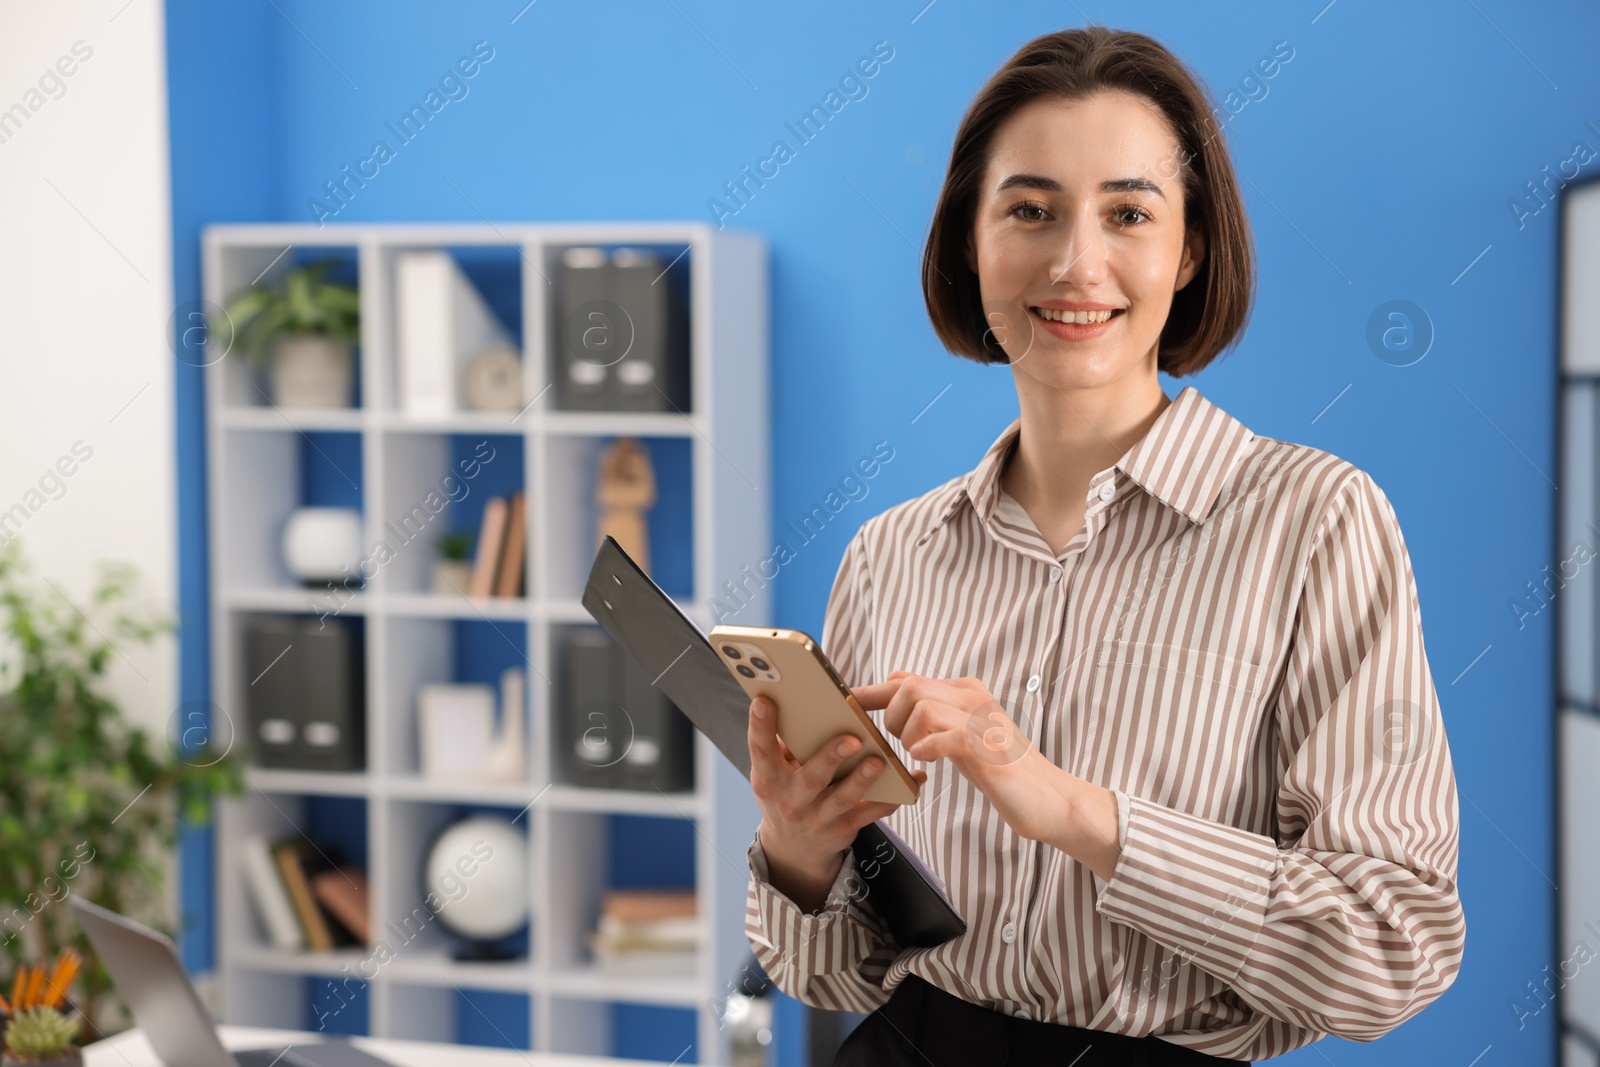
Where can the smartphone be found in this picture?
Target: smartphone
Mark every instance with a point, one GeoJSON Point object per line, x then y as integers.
{"type": "Point", "coordinates": [814, 705]}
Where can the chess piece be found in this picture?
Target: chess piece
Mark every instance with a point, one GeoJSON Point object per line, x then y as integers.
{"type": "Point", "coordinates": [626, 489]}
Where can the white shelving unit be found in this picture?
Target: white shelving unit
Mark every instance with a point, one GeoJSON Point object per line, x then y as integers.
{"type": "Point", "coordinates": [255, 456]}
{"type": "Point", "coordinates": [1571, 583]}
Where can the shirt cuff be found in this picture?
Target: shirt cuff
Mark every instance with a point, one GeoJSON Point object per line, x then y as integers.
{"type": "Point", "coordinates": [790, 930]}
{"type": "Point", "coordinates": [1195, 886]}
{"type": "Point", "coordinates": [1122, 835]}
{"type": "Point", "coordinates": [846, 885]}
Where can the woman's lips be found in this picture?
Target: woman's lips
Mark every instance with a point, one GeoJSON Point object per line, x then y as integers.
{"type": "Point", "coordinates": [1074, 331]}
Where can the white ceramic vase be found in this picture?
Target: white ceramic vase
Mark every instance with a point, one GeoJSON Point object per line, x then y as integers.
{"type": "Point", "coordinates": [322, 544]}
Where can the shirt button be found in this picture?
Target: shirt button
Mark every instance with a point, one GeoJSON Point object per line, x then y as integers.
{"type": "Point", "coordinates": [1021, 1013]}
{"type": "Point", "coordinates": [1055, 575]}
{"type": "Point", "coordinates": [1107, 490]}
{"type": "Point", "coordinates": [1008, 933]}
{"type": "Point", "coordinates": [1033, 684]}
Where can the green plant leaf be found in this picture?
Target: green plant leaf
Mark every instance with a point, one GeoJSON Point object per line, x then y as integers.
{"type": "Point", "coordinates": [303, 304]}
{"type": "Point", "coordinates": [238, 315]}
{"type": "Point", "coordinates": [83, 787]}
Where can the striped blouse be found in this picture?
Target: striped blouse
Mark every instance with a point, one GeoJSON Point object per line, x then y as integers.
{"type": "Point", "coordinates": [1232, 644]}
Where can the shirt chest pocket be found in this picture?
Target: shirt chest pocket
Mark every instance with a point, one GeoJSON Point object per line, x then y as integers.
{"type": "Point", "coordinates": [1176, 724]}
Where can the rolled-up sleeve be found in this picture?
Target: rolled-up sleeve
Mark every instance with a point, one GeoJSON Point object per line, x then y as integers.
{"type": "Point", "coordinates": [1349, 922]}
{"type": "Point", "coordinates": [837, 957]}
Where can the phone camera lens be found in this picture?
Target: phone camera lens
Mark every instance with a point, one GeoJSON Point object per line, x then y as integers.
{"type": "Point", "coordinates": [730, 651]}
{"type": "Point", "coordinates": [746, 671]}
{"type": "Point", "coordinates": [759, 664]}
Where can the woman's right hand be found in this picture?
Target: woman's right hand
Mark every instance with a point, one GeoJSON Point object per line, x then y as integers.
{"type": "Point", "coordinates": [807, 819]}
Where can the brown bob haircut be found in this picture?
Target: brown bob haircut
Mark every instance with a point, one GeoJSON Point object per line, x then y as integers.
{"type": "Point", "coordinates": [1209, 313]}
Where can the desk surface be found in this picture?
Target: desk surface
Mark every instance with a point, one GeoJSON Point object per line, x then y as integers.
{"type": "Point", "coordinates": [130, 1049]}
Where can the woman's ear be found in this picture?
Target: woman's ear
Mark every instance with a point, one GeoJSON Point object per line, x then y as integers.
{"type": "Point", "coordinates": [1194, 255]}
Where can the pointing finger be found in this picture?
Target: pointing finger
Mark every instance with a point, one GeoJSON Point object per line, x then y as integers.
{"type": "Point", "coordinates": [873, 697]}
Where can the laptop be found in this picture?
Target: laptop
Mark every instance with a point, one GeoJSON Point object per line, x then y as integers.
{"type": "Point", "coordinates": [146, 970]}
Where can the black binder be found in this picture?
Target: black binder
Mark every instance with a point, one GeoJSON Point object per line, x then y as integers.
{"type": "Point", "coordinates": [307, 712]}
{"type": "Point", "coordinates": [621, 339]}
{"type": "Point", "coordinates": [613, 729]}
{"type": "Point", "coordinates": [682, 664]}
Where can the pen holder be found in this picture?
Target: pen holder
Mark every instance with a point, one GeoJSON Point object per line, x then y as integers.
{"type": "Point", "coordinates": [71, 1059]}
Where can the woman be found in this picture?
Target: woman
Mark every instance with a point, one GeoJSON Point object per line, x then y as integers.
{"type": "Point", "coordinates": [1162, 680]}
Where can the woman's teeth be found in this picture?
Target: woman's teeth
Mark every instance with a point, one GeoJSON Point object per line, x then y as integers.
{"type": "Point", "coordinates": [1081, 317]}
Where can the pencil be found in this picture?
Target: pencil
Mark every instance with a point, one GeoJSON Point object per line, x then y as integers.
{"type": "Point", "coordinates": [50, 983]}
{"type": "Point", "coordinates": [17, 987]}
{"type": "Point", "coordinates": [35, 985]}
{"type": "Point", "coordinates": [61, 981]}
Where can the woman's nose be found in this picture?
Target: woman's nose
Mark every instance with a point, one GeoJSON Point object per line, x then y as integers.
{"type": "Point", "coordinates": [1079, 257]}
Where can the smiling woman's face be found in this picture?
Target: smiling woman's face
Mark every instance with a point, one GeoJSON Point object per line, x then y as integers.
{"type": "Point", "coordinates": [1081, 204]}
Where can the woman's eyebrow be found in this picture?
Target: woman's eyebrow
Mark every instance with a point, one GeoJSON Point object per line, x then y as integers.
{"type": "Point", "coordinates": [1113, 185]}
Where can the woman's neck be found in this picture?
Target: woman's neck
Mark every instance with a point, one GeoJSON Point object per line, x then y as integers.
{"type": "Point", "coordinates": [1068, 437]}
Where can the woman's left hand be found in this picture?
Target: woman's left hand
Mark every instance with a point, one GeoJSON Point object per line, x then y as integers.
{"type": "Point", "coordinates": [960, 720]}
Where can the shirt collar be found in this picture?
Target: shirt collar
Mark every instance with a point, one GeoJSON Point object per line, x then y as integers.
{"type": "Point", "coordinates": [1183, 460]}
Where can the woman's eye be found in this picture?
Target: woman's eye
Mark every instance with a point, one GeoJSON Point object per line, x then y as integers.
{"type": "Point", "coordinates": [1126, 214]}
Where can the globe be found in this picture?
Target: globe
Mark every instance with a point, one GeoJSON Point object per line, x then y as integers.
{"type": "Point", "coordinates": [476, 878]}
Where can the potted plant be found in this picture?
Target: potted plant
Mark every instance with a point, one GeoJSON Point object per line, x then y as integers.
{"type": "Point", "coordinates": [305, 329]}
{"type": "Point", "coordinates": [95, 803]}
{"type": "Point", "coordinates": [42, 1037]}
{"type": "Point", "coordinates": [452, 572]}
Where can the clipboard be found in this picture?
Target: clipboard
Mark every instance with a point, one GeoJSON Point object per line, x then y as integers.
{"type": "Point", "coordinates": [676, 654]}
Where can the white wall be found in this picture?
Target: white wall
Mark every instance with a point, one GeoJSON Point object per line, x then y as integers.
{"type": "Point", "coordinates": [85, 297]}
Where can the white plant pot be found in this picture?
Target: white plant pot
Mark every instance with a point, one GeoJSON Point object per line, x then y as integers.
{"type": "Point", "coordinates": [451, 577]}
{"type": "Point", "coordinates": [311, 371]}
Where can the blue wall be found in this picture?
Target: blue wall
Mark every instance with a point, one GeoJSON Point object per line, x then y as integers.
{"type": "Point", "coordinates": [1381, 164]}
{"type": "Point", "coordinates": [222, 86]}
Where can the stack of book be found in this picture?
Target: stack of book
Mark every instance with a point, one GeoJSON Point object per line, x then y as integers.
{"type": "Point", "coordinates": [303, 900]}
{"type": "Point", "coordinates": [647, 931]}
{"type": "Point", "coordinates": [499, 567]}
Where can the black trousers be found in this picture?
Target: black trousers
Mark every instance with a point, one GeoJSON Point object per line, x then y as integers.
{"type": "Point", "coordinates": [923, 1025]}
